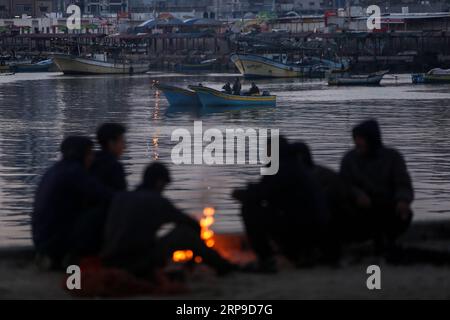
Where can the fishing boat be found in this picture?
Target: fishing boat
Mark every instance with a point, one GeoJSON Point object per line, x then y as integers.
{"type": "Point", "coordinates": [207, 65]}
{"type": "Point", "coordinates": [178, 96]}
{"type": "Point", "coordinates": [214, 98]}
{"type": "Point", "coordinates": [436, 75]}
{"type": "Point", "coordinates": [277, 66]}
{"type": "Point", "coordinates": [5, 69]}
{"type": "Point", "coordinates": [99, 64]}
{"type": "Point", "coordinates": [345, 79]}
{"type": "Point", "coordinates": [41, 66]}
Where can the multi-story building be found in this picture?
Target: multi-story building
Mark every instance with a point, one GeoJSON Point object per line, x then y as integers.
{"type": "Point", "coordinates": [34, 8]}
{"type": "Point", "coordinates": [99, 7]}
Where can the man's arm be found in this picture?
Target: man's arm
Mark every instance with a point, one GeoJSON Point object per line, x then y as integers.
{"type": "Point", "coordinates": [404, 191]}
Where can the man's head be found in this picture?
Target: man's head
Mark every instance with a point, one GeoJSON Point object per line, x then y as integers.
{"type": "Point", "coordinates": [253, 84]}
{"type": "Point", "coordinates": [156, 177]}
{"type": "Point", "coordinates": [367, 137]}
{"type": "Point", "coordinates": [111, 137]}
{"type": "Point", "coordinates": [79, 149]}
{"type": "Point", "coordinates": [303, 153]}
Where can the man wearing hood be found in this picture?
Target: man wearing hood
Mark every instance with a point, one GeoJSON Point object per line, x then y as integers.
{"type": "Point", "coordinates": [381, 186]}
{"type": "Point", "coordinates": [65, 224]}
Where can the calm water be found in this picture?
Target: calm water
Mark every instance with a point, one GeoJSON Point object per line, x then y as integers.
{"type": "Point", "coordinates": [37, 111]}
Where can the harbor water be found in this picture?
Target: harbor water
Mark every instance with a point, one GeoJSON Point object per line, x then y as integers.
{"type": "Point", "coordinates": [38, 110]}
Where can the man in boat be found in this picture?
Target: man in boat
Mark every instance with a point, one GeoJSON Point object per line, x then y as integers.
{"type": "Point", "coordinates": [381, 187]}
{"type": "Point", "coordinates": [254, 90]}
{"type": "Point", "coordinates": [106, 166]}
{"type": "Point", "coordinates": [285, 209]}
{"type": "Point", "coordinates": [237, 87]}
{"type": "Point", "coordinates": [227, 88]}
{"type": "Point", "coordinates": [135, 218]}
{"type": "Point", "coordinates": [66, 223]}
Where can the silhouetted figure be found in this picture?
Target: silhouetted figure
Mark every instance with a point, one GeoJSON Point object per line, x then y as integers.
{"type": "Point", "coordinates": [131, 240]}
{"type": "Point", "coordinates": [381, 186]}
{"type": "Point", "coordinates": [254, 90]}
{"type": "Point", "coordinates": [65, 223]}
{"type": "Point", "coordinates": [237, 87]}
{"type": "Point", "coordinates": [285, 208]}
{"type": "Point", "coordinates": [227, 88]}
{"type": "Point", "coordinates": [339, 205]}
{"type": "Point", "coordinates": [106, 166]}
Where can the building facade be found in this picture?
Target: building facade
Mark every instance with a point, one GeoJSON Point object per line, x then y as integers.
{"type": "Point", "coordinates": [18, 8]}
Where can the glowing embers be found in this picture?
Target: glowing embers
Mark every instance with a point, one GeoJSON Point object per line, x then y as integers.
{"type": "Point", "coordinates": [206, 234]}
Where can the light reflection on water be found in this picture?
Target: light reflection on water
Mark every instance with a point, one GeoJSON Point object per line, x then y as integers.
{"type": "Point", "coordinates": [37, 112]}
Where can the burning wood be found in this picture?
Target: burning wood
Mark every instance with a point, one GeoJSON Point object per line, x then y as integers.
{"type": "Point", "coordinates": [206, 234]}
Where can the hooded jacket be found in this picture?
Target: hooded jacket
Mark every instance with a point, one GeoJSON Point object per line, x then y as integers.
{"type": "Point", "coordinates": [381, 173]}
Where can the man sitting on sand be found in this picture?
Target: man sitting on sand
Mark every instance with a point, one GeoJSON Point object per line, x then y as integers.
{"type": "Point", "coordinates": [66, 221]}
{"type": "Point", "coordinates": [106, 166]}
{"type": "Point", "coordinates": [381, 186]}
{"type": "Point", "coordinates": [135, 218]}
{"type": "Point", "coordinates": [339, 205]}
{"type": "Point", "coordinates": [285, 209]}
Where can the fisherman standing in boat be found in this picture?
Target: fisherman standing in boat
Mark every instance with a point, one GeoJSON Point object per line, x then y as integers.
{"type": "Point", "coordinates": [227, 88]}
{"type": "Point", "coordinates": [237, 87]}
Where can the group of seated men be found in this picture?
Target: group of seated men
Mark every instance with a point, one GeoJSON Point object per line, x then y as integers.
{"type": "Point", "coordinates": [82, 209]}
{"type": "Point", "coordinates": [305, 211]}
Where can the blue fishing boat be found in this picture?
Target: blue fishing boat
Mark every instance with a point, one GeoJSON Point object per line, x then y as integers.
{"type": "Point", "coordinates": [41, 66]}
{"type": "Point", "coordinates": [214, 98]}
{"type": "Point", "coordinates": [178, 96]}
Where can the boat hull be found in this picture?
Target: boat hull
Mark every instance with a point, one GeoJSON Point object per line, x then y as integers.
{"type": "Point", "coordinates": [77, 65]}
{"type": "Point", "coordinates": [179, 97]}
{"type": "Point", "coordinates": [253, 66]}
{"type": "Point", "coordinates": [43, 66]}
{"type": "Point", "coordinates": [214, 98]}
{"type": "Point", "coordinates": [195, 67]}
{"type": "Point", "coordinates": [371, 80]}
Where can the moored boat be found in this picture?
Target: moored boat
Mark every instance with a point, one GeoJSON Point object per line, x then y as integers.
{"type": "Point", "coordinates": [214, 98]}
{"type": "Point", "coordinates": [207, 65]}
{"type": "Point", "coordinates": [178, 96]}
{"type": "Point", "coordinates": [338, 79]}
{"type": "Point", "coordinates": [5, 69]}
{"type": "Point", "coordinates": [436, 75]}
{"type": "Point", "coordinates": [97, 65]}
{"type": "Point", "coordinates": [41, 66]}
{"type": "Point", "coordinates": [258, 66]}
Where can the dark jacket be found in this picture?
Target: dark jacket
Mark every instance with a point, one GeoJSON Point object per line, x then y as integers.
{"type": "Point", "coordinates": [65, 192]}
{"type": "Point", "coordinates": [381, 174]}
{"type": "Point", "coordinates": [108, 170]}
{"type": "Point", "coordinates": [134, 219]}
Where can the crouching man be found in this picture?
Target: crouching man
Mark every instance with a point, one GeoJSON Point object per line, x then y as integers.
{"type": "Point", "coordinates": [382, 187]}
{"type": "Point", "coordinates": [134, 219]}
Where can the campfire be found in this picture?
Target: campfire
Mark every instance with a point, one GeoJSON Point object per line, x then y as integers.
{"type": "Point", "coordinates": [207, 236]}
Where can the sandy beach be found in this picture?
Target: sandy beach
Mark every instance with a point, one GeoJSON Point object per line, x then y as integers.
{"type": "Point", "coordinates": [20, 278]}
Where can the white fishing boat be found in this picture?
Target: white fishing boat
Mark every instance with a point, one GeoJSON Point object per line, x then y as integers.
{"type": "Point", "coordinates": [278, 66]}
{"type": "Point", "coordinates": [345, 79]}
{"type": "Point", "coordinates": [99, 64]}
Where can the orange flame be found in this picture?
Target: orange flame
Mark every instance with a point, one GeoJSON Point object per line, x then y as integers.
{"type": "Point", "coordinates": [206, 234]}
